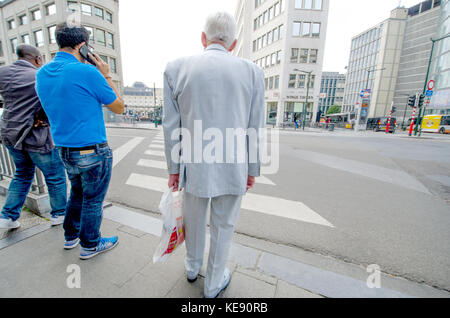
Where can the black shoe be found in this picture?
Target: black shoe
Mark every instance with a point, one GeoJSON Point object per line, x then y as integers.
{"type": "Point", "coordinates": [192, 280]}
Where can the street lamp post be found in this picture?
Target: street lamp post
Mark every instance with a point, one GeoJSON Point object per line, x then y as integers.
{"type": "Point", "coordinates": [307, 95]}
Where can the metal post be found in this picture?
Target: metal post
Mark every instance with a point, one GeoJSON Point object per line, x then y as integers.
{"type": "Point", "coordinates": [404, 116]}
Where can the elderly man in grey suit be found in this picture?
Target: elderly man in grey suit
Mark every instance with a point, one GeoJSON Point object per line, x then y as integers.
{"type": "Point", "coordinates": [207, 97]}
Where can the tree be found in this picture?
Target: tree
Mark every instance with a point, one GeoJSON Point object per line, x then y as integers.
{"type": "Point", "coordinates": [334, 110]}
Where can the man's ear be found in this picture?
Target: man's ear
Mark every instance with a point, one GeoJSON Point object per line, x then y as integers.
{"type": "Point", "coordinates": [78, 47]}
{"type": "Point", "coordinates": [204, 40]}
{"type": "Point", "coordinates": [233, 46]}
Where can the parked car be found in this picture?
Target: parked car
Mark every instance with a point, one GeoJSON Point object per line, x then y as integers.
{"type": "Point", "coordinates": [380, 124]}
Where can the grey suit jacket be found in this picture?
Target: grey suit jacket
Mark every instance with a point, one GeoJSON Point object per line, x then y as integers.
{"type": "Point", "coordinates": [22, 107]}
{"type": "Point", "coordinates": [220, 92]}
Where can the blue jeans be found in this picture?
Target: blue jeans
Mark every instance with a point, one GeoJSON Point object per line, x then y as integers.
{"type": "Point", "coordinates": [90, 175]}
{"type": "Point", "coordinates": [55, 178]}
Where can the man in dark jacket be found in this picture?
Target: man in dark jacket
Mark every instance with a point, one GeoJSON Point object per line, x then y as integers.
{"type": "Point", "coordinates": [25, 132]}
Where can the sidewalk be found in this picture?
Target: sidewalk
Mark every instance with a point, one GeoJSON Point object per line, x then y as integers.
{"type": "Point", "coordinates": [34, 264]}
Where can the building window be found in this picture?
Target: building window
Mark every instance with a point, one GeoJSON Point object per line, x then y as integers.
{"type": "Point", "coordinates": [26, 39]}
{"type": "Point", "coordinates": [101, 37]}
{"type": "Point", "coordinates": [304, 55]}
{"type": "Point", "coordinates": [296, 29]}
{"type": "Point", "coordinates": [277, 9]}
{"type": "Point", "coordinates": [91, 32]}
{"type": "Point", "coordinates": [36, 15]}
{"type": "Point", "coordinates": [316, 30]}
{"type": "Point", "coordinates": [308, 4]}
{"type": "Point", "coordinates": [86, 9]}
{"type": "Point", "coordinates": [271, 83]}
{"type": "Point", "coordinates": [278, 57]}
{"type": "Point", "coordinates": [275, 35]}
{"type": "Point", "coordinates": [39, 38]}
{"type": "Point", "coordinates": [313, 56]}
{"type": "Point", "coordinates": [318, 4]}
{"type": "Point", "coordinates": [104, 58]}
{"type": "Point", "coordinates": [14, 45]}
{"type": "Point", "coordinates": [269, 38]}
{"type": "Point", "coordinates": [301, 81]}
{"type": "Point", "coordinates": [268, 61]}
{"type": "Point", "coordinates": [98, 12]}
{"type": "Point", "coordinates": [280, 31]}
{"type": "Point", "coordinates": [110, 40]}
{"type": "Point", "coordinates": [273, 59]}
{"type": "Point", "coordinates": [294, 55]}
{"type": "Point", "coordinates": [12, 24]}
{"type": "Point", "coordinates": [306, 31]}
{"type": "Point", "coordinates": [298, 4]}
{"type": "Point", "coordinates": [277, 82]}
{"type": "Point", "coordinates": [50, 9]}
{"type": "Point", "coordinates": [52, 34]}
{"type": "Point", "coordinates": [72, 6]}
{"type": "Point", "coordinates": [23, 19]}
{"type": "Point", "coordinates": [292, 79]}
{"type": "Point", "coordinates": [109, 17]}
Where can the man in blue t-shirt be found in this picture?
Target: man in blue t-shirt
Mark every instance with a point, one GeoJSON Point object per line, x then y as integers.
{"type": "Point", "coordinates": [72, 94]}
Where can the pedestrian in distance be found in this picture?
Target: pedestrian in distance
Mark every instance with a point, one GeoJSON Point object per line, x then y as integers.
{"type": "Point", "coordinates": [26, 134]}
{"type": "Point", "coordinates": [72, 93]}
{"type": "Point", "coordinates": [219, 92]}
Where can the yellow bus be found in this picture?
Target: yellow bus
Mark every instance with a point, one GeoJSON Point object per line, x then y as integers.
{"type": "Point", "coordinates": [436, 124]}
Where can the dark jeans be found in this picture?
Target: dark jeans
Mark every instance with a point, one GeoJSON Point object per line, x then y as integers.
{"type": "Point", "coordinates": [55, 178]}
{"type": "Point", "coordinates": [89, 176]}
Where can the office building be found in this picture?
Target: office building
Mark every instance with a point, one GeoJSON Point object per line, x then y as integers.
{"type": "Point", "coordinates": [331, 91]}
{"type": "Point", "coordinates": [286, 38]}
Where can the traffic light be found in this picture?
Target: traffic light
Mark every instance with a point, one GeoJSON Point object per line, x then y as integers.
{"type": "Point", "coordinates": [394, 109]}
{"type": "Point", "coordinates": [412, 101]}
{"type": "Point", "coordinates": [421, 100]}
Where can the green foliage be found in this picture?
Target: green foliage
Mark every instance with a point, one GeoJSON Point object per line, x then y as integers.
{"type": "Point", "coordinates": [334, 110]}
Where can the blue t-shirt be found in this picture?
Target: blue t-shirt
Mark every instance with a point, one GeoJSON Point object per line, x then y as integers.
{"type": "Point", "coordinates": [72, 95]}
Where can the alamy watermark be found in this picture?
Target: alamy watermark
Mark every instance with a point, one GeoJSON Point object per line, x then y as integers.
{"type": "Point", "coordinates": [226, 146]}
{"type": "Point", "coordinates": [374, 279]}
{"type": "Point", "coordinates": [73, 281]}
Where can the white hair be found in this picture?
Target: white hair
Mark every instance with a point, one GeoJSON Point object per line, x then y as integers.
{"type": "Point", "coordinates": [221, 26]}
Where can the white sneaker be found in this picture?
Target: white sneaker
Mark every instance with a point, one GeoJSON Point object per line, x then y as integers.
{"type": "Point", "coordinates": [57, 220]}
{"type": "Point", "coordinates": [8, 224]}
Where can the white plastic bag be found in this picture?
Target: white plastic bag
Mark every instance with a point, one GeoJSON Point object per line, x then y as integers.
{"type": "Point", "coordinates": [172, 237]}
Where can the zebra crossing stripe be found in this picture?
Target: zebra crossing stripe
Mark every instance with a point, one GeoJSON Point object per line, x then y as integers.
{"type": "Point", "coordinates": [155, 153]}
{"type": "Point", "coordinates": [252, 202]}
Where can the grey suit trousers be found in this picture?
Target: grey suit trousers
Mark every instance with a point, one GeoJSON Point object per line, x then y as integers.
{"type": "Point", "coordinates": [224, 215]}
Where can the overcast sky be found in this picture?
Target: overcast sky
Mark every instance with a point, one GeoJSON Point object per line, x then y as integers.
{"type": "Point", "coordinates": [158, 31]}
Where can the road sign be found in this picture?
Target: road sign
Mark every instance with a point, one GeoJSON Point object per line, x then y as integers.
{"type": "Point", "coordinates": [365, 93]}
{"type": "Point", "coordinates": [431, 85]}
{"type": "Point", "coordinates": [429, 93]}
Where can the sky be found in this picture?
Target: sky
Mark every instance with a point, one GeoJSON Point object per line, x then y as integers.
{"type": "Point", "coordinates": [155, 32]}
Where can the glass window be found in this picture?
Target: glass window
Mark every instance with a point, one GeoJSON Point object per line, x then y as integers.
{"type": "Point", "coordinates": [113, 65]}
{"type": "Point", "coordinates": [23, 20]}
{"type": "Point", "coordinates": [301, 81]}
{"type": "Point", "coordinates": [264, 40]}
{"type": "Point", "coordinates": [316, 30]}
{"type": "Point", "coordinates": [278, 57]}
{"type": "Point", "coordinates": [298, 4]}
{"type": "Point", "coordinates": [110, 40]}
{"type": "Point", "coordinates": [294, 55]}
{"type": "Point", "coordinates": [304, 55]}
{"type": "Point", "coordinates": [292, 79]}
{"type": "Point", "coordinates": [266, 17]}
{"type": "Point", "coordinates": [313, 56]}
{"type": "Point", "coordinates": [26, 39]}
{"type": "Point", "coordinates": [39, 38]}
{"type": "Point", "coordinates": [277, 9]}
{"type": "Point", "coordinates": [100, 35]}
{"type": "Point", "coordinates": [269, 38]}
{"type": "Point", "coordinates": [306, 31]}
{"type": "Point", "coordinates": [50, 9]}
{"type": "Point", "coordinates": [109, 17]}
{"type": "Point", "coordinates": [86, 9]}
{"type": "Point", "coordinates": [318, 4]}
{"type": "Point", "coordinates": [308, 4]}
{"type": "Point", "coordinates": [267, 60]}
{"type": "Point", "coordinates": [255, 24]}
{"type": "Point", "coordinates": [274, 59]}
{"type": "Point", "coordinates": [277, 82]}
{"type": "Point", "coordinates": [296, 29]}
{"type": "Point", "coordinates": [283, 2]}
{"type": "Point", "coordinates": [98, 12]}
{"type": "Point", "coordinates": [271, 14]}
{"type": "Point", "coordinates": [72, 6]}
{"type": "Point", "coordinates": [271, 82]}
{"type": "Point", "coordinates": [12, 24]}
{"type": "Point", "coordinates": [36, 15]}
{"type": "Point", "coordinates": [51, 34]}
{"type": "Point", "coordinates": [104, 58]}
{"type": "Point", "coordinates": [280, 31]}
{"type": "Point", "coordinates": [91, 32]}
{"type": "Point", "coordinates": [14, 45]}
{"type": "Point", "coordinates": [275, 35]}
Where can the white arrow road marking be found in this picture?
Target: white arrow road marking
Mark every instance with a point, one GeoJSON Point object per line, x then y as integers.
{"type": "Point", "coordinates": [264, 180]}
{"type": "Point", "coordinates": [253, 202]}
{"type": "Point", "coordinates": [124, 150]}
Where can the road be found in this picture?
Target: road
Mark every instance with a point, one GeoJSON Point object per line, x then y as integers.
{"type": "Point", "coordinates": [370, 199]}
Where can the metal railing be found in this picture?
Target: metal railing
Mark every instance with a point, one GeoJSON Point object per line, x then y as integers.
{"type": "Point", "coordinates": [7, 170]}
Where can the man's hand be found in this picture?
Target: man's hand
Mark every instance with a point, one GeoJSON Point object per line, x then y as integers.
{"type": "Point", "coordinates": [102, 66]}
{"type": "Point", "coordinates": [39, 123]}
{"type": "Point", "coordinates": [174, 181]}
{"type": "Point", "coordinates": [250, 182]}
